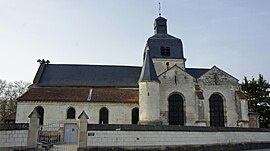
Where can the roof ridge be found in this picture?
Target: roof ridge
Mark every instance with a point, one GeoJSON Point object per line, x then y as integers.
{"type": "Point", "coordinates": [199, 68]}
{"type": "Point", "coordinates": [159, 34]}
{"type": "Point", "coordinates": [96, 65]}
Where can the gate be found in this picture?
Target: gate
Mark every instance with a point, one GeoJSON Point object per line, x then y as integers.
{"type": "Point", "coordinates": [58, 137]}
{"type": "Point", "coordinates": [70, 134]}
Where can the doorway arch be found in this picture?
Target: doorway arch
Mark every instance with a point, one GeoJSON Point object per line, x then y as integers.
{"type": "Point", "coordinates": [216, 110]}
{"type": "Point", "coordinates": [176, 110]}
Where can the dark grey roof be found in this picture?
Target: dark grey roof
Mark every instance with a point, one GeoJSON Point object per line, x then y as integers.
{"type": "Point", "coordinates": [157, 41]}
{"type": "Point", "coordinates": [148, 72]}
{"type": "Point", "coordinates": [160, 25]}
{"type": "Point", "coordinates": [196, 72]}
{"type": "Point", "coordinates": [89, 75]}
{"type": "Point", "coordinates": [162, 39]}
{"type": "Point", "coordinates": [102, 75]}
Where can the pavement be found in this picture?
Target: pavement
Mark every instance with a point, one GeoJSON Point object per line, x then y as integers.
{"type": "Point", "coordinates": [266, 149]}
{"type": "Point", "coordinates": [64, 148]}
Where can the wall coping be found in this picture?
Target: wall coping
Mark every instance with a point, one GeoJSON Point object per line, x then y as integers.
{"type": "Point", "coordinates": [14, 126]}
{"type": "Point", "coordinates": [130, 127]}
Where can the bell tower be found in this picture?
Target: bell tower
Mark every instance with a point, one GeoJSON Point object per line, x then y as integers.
{"type": "Point", "coordinates": [160, 25]}
{"type": "Point", "coordinates": [166, 50]}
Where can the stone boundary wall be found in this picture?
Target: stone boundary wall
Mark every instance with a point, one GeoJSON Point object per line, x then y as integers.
{"type": "Point", "coordinates": [14, 126]}
{"type": "Point", "coordinates": [137, 136]}
{"type": "Point", "coordinates": [130, 127]}
{"type": "Point", "coordinates": [13, 135]}
{"type": "Point", "coordinates": [215, 147]}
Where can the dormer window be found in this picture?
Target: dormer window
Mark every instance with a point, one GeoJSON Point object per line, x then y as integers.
{"type": "Point", "coordinates": [165, 51]}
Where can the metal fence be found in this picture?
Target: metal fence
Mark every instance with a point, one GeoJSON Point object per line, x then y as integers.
{"type": "Point", "coordinates": [51, 138]}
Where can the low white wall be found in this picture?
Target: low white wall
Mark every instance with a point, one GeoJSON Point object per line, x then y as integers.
{"type": "Point", "coordinates": [172, 138]}
{"type": "Point", "coordinates": [13, 138]}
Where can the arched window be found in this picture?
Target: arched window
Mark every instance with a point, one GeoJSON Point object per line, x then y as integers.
{"type": "Point", "coordinates": [103, 116]}
{"type": "Point", "coordinates": [71, 113]}
{"type": "Point", "coordinates": [216, 111]}
{"type": "Point", "coordinates": [135, 115]}
{"type": "Point", "coordinates": [40, 111]}
{"type": "Point", "coordinates": [176, 110]}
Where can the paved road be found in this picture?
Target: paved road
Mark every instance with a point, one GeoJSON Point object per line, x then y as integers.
{"type": "Point", "coordinates": [64, 148]}
{"type": "Point", "coordinates": [267, 149]}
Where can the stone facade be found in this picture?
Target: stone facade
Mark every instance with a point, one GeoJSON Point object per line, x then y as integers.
{"type": "Point", "coordinates": [149, 104]}
{"type": "Point", "coordinates": [119, 113]}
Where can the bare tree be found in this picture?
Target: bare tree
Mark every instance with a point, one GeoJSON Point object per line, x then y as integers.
{"type": "Point", "coordinates": [3, 103]}
{"type": "Point", "coordinates": [9, 92]}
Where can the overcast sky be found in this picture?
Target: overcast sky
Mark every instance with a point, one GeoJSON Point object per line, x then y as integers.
{"type": "Point", "coordinates": [231, 34]}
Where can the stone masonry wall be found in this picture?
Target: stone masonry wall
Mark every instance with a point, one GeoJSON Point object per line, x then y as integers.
{"type": "Point", "coordinates": [13, 138]}
{"type": "Point", "coordinates": [177, 81]}
{"type": "Point", "coordinates": [119, 113]}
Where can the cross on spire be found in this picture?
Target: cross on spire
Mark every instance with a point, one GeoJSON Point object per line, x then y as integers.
{"type": "Point", "coordinates": [159, 9]}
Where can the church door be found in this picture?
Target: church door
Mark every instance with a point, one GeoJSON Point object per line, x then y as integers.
{"type": "Point", "coordinates": [216, 111]}
{"type": "Point", "coordinates": [176, 110]}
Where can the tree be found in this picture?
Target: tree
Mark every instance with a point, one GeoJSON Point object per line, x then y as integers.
{"type": "Point", "coordinates": [257, 94]}
{"type": "Point", "coordinates": [9, 92]}
{"type": "Point", "coordinates": [3, 103]}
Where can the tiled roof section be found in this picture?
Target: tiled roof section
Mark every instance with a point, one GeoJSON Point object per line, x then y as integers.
{"type": "Point", "coordinates": [11, 116]}
{"type": "Point", "coordinates": [55, 94]}
{"type": "Point", "coordinates": [115, 95]}
{"type": "Point", "coordinates": [196, 72]}
{"type": "Point", "coordinates": [81, 94]}
{"type": "Point", "coordinates": [89, 75]}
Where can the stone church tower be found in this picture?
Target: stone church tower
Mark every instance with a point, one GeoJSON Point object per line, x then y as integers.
{"type": "Point", "coordinates": [162, 51]}
{"type": "Point", "coordinates": [165, 49]}
{"type": "Point", "coordinates": [171, 94]}
{"type": "Point", "coordinates": [149, 93]}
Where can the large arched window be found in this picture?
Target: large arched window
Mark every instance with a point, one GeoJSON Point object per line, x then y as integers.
{"type": "Point", "coordinates": [71, 113]}
{"type": "Point", "coordinates": [103, 116]}
{"type": "Point", "coordinates": [40, 111]}
{"type": "Point", "coordinates": [176, 110]}
{"type": "Point", "coordinates": [135, 115]}
{"type": "Point", "coordinates": [216, 111]}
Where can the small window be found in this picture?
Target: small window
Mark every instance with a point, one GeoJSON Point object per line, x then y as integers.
{"type": "Point", "coordinates": [135, 115]}
{"type": "Point", "coordinates": [71, 113]}
{"type": "Point", "coordinates": [40, 111]}
{"type": "Point", "coordinates": [165, 51]}
{"type": "Point", "coordinates": [103, 116]}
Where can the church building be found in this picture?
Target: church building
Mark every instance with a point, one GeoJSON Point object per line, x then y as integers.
{"type": "Point", "coordinates": [161, 92]}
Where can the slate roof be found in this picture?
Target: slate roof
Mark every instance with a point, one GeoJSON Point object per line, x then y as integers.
{"type": "Point", "coordinates": [81, 94]}
{"type": "Point", "coordinates": [196, 72]}
{"type": "Point", "coordinates": [162, 39]}
{"type": "Point", "coordinates": [148, 72]}
{"type": "Point", "coordinates": [67, 75]}
{"type": "Point", "coordinates": [89, 75]}
{"type": "Point", "coordinates": [157, 41]}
